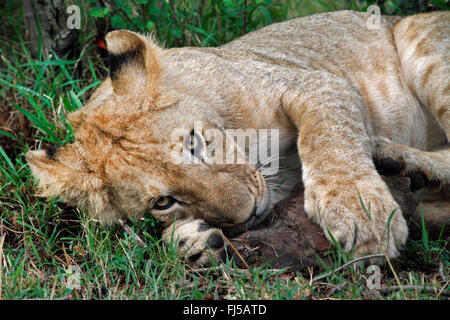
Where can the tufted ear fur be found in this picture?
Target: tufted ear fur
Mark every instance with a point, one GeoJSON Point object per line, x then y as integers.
{"type": "Point", "coordinates": [134, 61]}
{"type": "Point", "coordinates": [61, 173]}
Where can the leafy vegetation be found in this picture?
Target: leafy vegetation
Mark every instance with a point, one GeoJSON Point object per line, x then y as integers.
{"type": "Point", "coordinates": [41, 240]}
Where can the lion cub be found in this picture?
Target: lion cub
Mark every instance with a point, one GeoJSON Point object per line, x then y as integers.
{"type": "Point", "coordinates": [333, 90]}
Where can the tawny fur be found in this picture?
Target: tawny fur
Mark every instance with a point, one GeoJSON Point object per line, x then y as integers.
{"type": "Point", "coordinates": [333, 88]}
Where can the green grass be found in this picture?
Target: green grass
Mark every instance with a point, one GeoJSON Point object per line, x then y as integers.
{"type": "Point", "coordinates": [40, 239]}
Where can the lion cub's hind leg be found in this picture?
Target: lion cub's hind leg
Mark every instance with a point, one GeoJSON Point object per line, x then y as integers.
{"type": "Point", "coordinates": [429, 172]}
{"type": "Point", "coordinates": [423, 45]}
{"type": "Point", "coordinates": [434, 165]}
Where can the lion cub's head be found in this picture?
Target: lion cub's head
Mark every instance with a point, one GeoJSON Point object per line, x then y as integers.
{"type": "Point", "coordinates": [121, 163]}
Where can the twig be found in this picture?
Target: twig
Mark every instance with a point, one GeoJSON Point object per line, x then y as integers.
{"type": "Point", "coordinates": [125, 15]}
{"type": "Point", "coordinates": [411, 287]}
{"type": "Point", "coordinates": [395, 273]}
{"type": "Point", "coordinates": [266, 295]}
{"type": "Point", "coordinates": [442, 290]}
{"type": "Point", "coordinates": [131, 262]}
{"type": "Point", "coordinates": [2, 240]}
{"type": "Point", "coordinates": [58, 258]}
{"type": "Point", "coordinates": [441, 271]}
{"type": "Point", "coordinates": [346, 265]}
{"type": "Point", "coordinates": [68, 297]}
{"type": "Point", "coordinates": [132, 234]}
{"type": "Point", "coordinates": [66, 256]}
{"type": "Point", "coordinates": [29, 9]}
{"type": "Point", "coordinates": [237, 252]}
{"type": "Point", "coordinates": [219, 268]}
{"type": "Point", "coordinates": [224, 272]}
{"type": "Point", "coordinates": [9, 229]}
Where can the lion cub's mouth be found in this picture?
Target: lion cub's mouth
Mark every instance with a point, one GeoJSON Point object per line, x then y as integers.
{"type": "Point", "coordinates": [255, 219]}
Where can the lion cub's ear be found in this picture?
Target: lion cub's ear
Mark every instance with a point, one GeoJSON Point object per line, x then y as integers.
{"type": "Point", "coordinates": [134, 61]}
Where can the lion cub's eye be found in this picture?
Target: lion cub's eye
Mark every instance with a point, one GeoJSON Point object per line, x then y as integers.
{"type": "Point", "coordinates": [164, 203]}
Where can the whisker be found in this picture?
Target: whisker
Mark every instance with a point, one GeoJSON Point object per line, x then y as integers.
{"type": "Point", "coordinates": [280, 186]}
{"type": "Point", "coordinates": [269, 160]}
{"type": "Point", "coordinates": [269, 173]}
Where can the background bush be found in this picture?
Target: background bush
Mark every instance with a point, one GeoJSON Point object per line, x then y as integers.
{"type": "Point", "coordinates": [210, 23]}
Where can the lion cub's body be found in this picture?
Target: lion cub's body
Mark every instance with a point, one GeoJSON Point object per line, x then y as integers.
{"type": "Point", "coordinates": [337, 90]}
{"type": "Point", "coordinates": [254, 67]}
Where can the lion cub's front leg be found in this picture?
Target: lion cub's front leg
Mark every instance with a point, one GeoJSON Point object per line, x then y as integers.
{"type": "Point", "coordinates": [196, 241]}
{"type": "Point", "coordinates": [338, 172]}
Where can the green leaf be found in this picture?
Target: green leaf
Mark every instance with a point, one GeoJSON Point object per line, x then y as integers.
{"type": "Point", "coordinates": [149, 236]}
{"type": "Point", "coordinates": [441, 4]}
{"type": "Point", "coordinates": [9, 135]}
{"type": "Point", "coordinates": [388, 224]}
{"type": "Point", "coordinates": [394, 5]}
{"type": "Point", "coordinates": [228, 3]}
{"type": "Point", "coordinates": [425, 236]}
{"type": "Point", "coordinates": [99, 12]}
{"type": "Point", "coordinates": [76, 100]}
{"type": "Point", "coordinates": [149, 25]}
{"type": "Point", "coordinates": [139, 23]}
{"type": "Point", "coordinates": [118, 4]}
{"type": "Point", "coordinates": [198, 30]}
{"type": "Point", "coordinates": [177, 33]}
{"type": "Point", "coordinates": [154, 10]}
{"type": "Point", "coordinates": [7, 159]}
{"type": "Point", "coordinates": [323, 4]}
{"type": "Point", "coordinates": [266, 14]}
{"type": "Point", "coordinates": [117, 22]}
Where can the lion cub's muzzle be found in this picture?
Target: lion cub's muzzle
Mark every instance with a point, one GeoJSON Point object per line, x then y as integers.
{"type": "Point", "coordinates": [254, 219]}
{"type": "Point", "coordinates": [261, 209]}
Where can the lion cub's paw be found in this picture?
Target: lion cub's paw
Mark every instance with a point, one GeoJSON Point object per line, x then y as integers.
{"type": "Point", "coordinates": [197, 242]}
{"type": "Point", "coordinates": [339, 211]}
